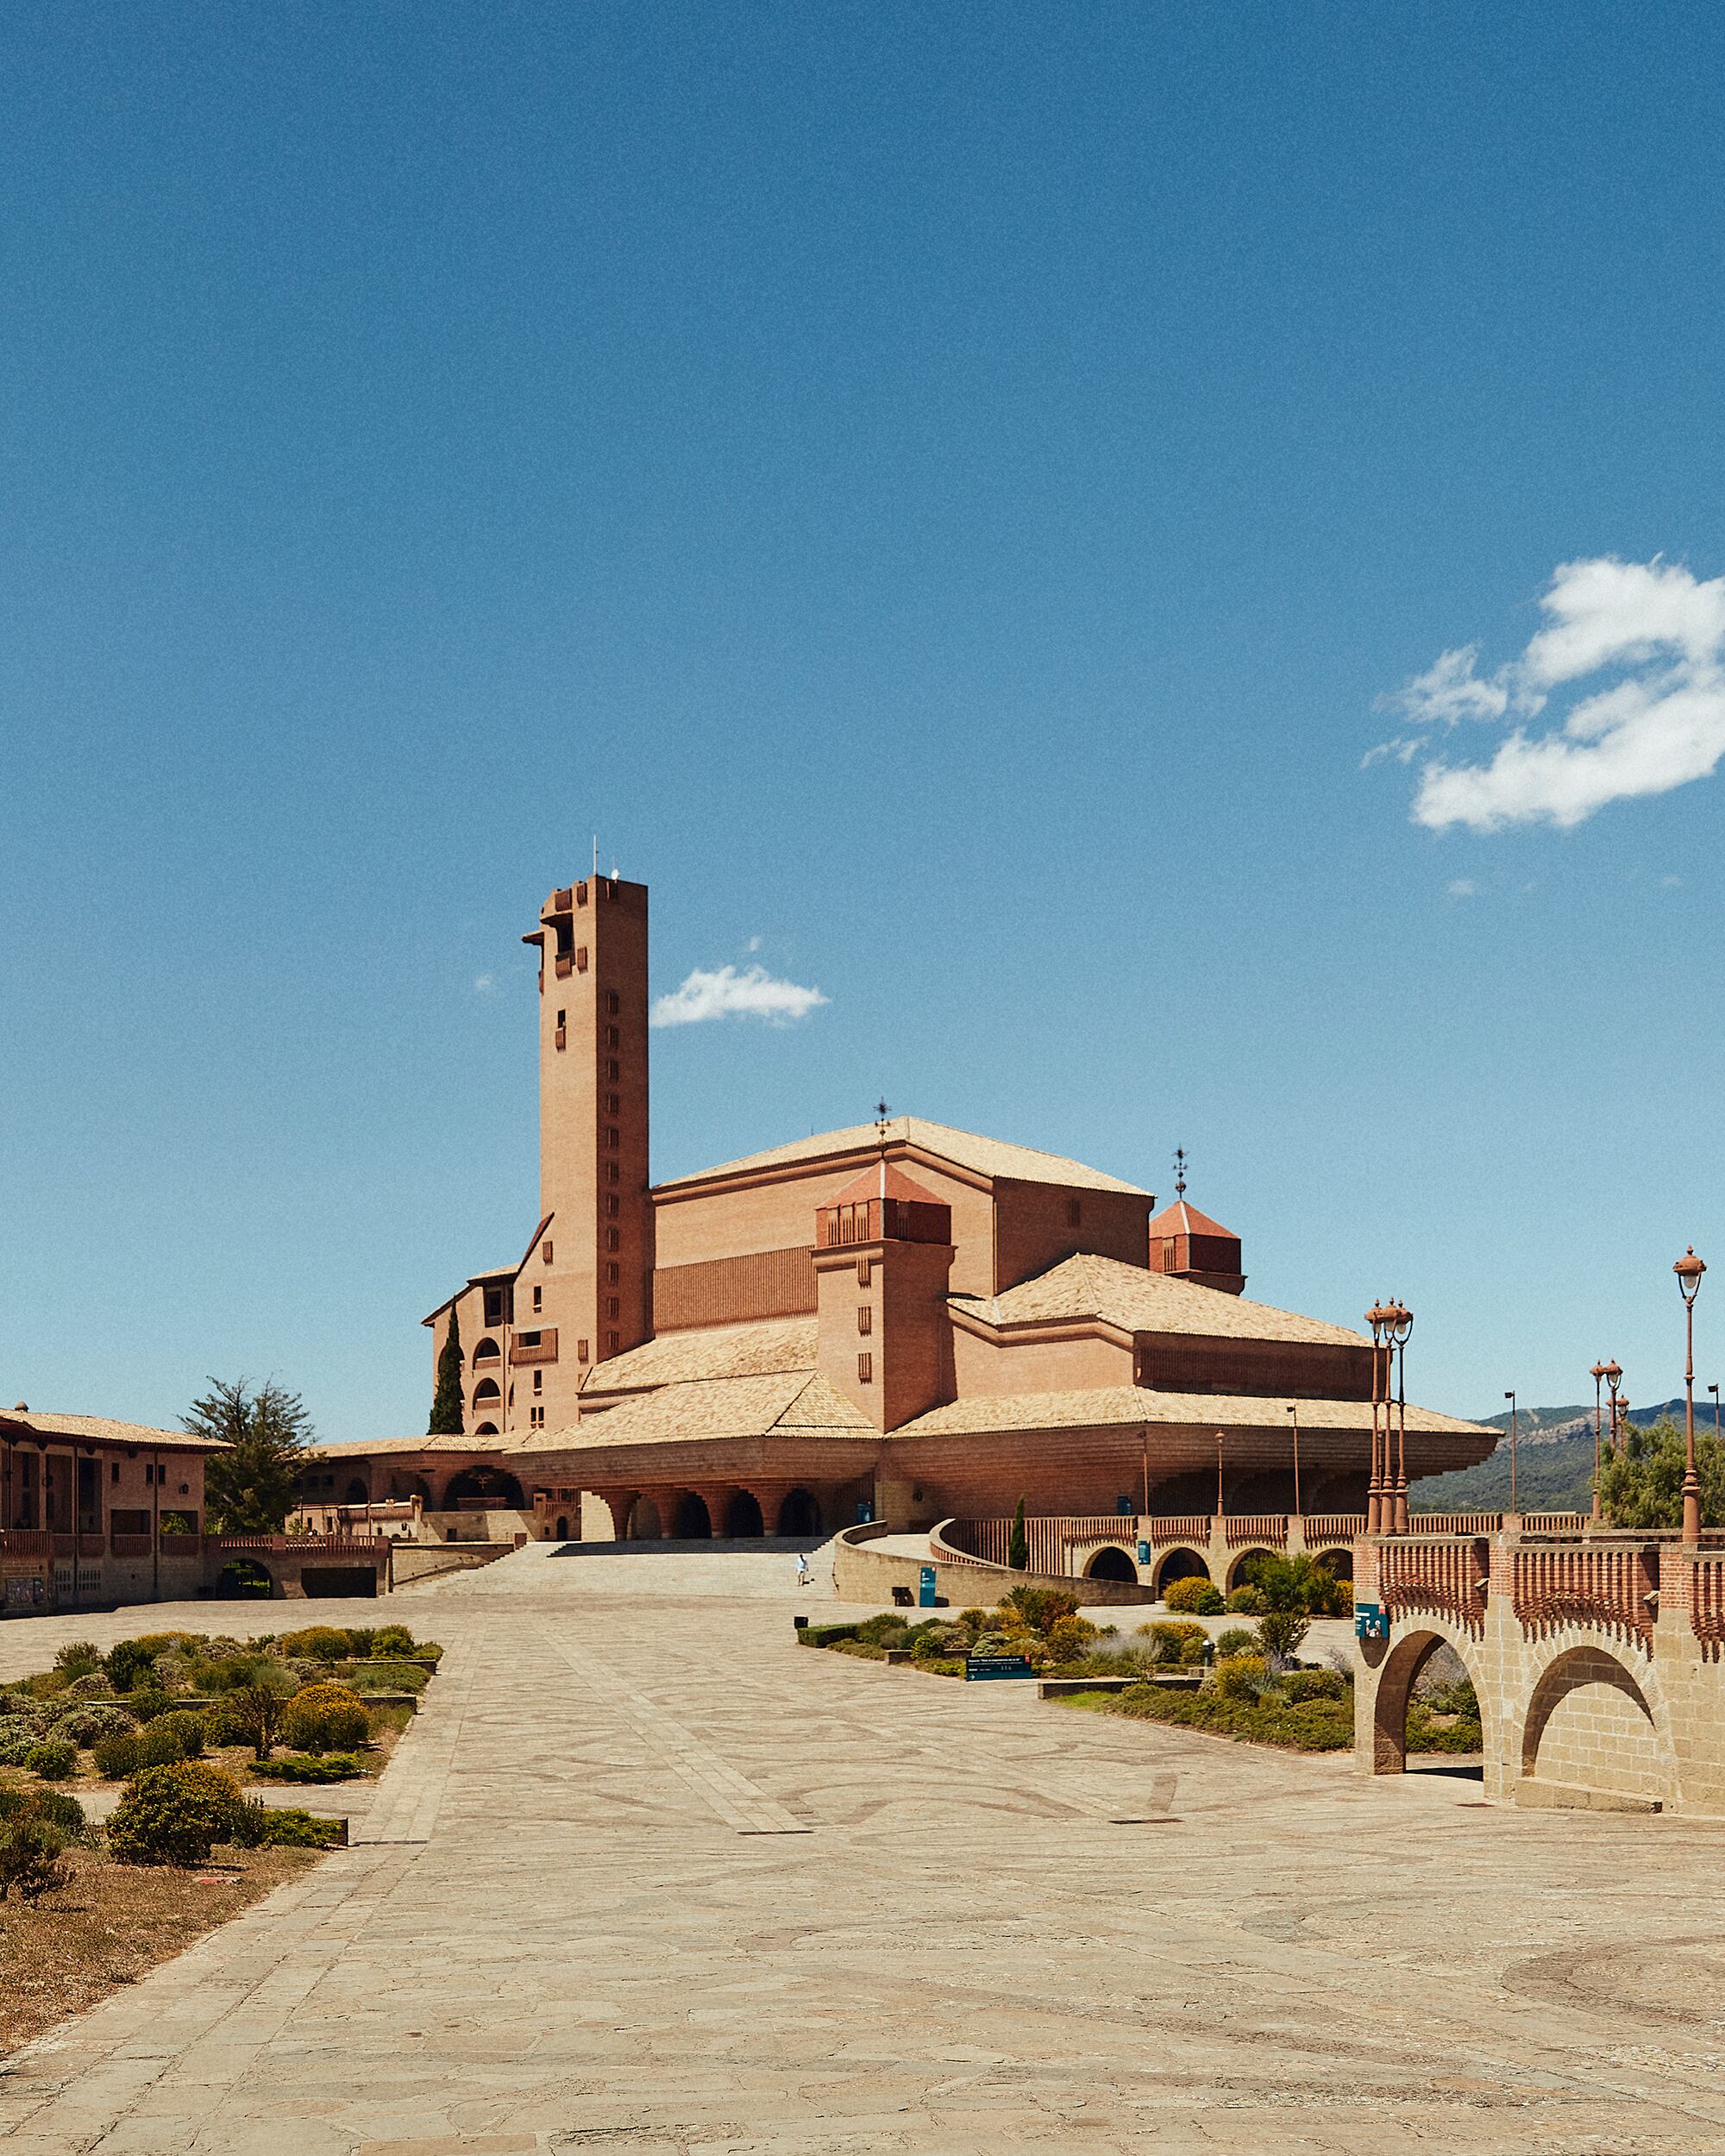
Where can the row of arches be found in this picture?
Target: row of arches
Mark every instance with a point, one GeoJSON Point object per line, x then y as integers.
{"type": "Point", "coordinates": [686, 1515]}
{"type": "Point", "coordinates": [1114, 1561]}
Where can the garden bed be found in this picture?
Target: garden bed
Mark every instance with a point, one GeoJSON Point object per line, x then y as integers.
{"type": "Point", "coordinates": [112, 1923]}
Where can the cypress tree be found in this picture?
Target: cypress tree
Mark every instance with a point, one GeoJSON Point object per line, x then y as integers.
{"type": "Point", "coordinates": [1018, 1545]}
{"type": "Point", "coordinates": [446, 1401]}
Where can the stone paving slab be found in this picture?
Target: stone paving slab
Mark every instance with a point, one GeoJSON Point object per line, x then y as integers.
{"type": "Point", "coordinates": [563, 1934]}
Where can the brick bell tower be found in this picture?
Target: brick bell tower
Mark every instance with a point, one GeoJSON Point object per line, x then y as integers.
{"type": "Point", "coordinates": [586, 1287]}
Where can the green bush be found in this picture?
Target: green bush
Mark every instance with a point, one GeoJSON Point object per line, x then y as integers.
{"type": "Point", "coordinates": [92, 1686]}
{"type": "Point", "coordinates": [17, 1737]}
{"type": "Point", "coordinates": [388, 1676]}
{"type": "Point", "coordinates": [251, 1715]}
{"type": "Point", "coordinates": [1281, 1633]}
{"type": "Point", "coordinates": [148, 1703]}
{"type": "Point", "coordinates": [1240, 1677]}
{"type": "Point", "coordinates": [31, 1850]}
{"type": "Point", "coordinates": [1303, 1684]}
{"type": "Point", "coordinates": [324, 1717]}
{"type": "Point", "coordinates": [1313, 1726]}
{"type": "Point", "coordinates": [1173, 1643]}
{"type": "Point", "coordinates": [1299, 1584]}
{"type": "Point", "coordinates": [129, 1665]}
{"type": "Point", "coordinates": [361, 1640]}
{"type": "Point", "coordinates": [1196, 1597]}
{"type": "Point", "coordinates": [90, 1721]}
{"type": "Point", "coordinates": [331, 1766]}
{"type": "Point", "coordinates": [884, 1631]}
{"type": "Point", "coordinates": [826, 1635]}
{"type": "Point", "coordinates": [173, 1815]}
{"type": "Point", "coordinates": [319, 1643]}
{"type": "Point", "coordinates": [1247, 1601]}
{"type": "Point", "coordinates": [392, 1640]}
{"type": "Point", "coordinates": [116, 1757]}
{"type": "Point", "coordinates": [55, 1759]}
{"type": "Point", "coordinates": [78, 1658]}
{"type": "Point", "coordinates": [1235, 1640]}
{"type": "Point", "coordinates": [259, 1826]}
{"type": "Point", "coordinates": [52, 1805]}
{"type": "Point", "coordinates": [1041, 1607]}
{"type": "Point", "coordinates": [179, 1734]}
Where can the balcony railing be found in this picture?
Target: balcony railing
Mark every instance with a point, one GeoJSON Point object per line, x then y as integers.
{"type": "Point", "coordinates": [26, 1542]}
{"type": "Point", "coordinates": [130, 1545]}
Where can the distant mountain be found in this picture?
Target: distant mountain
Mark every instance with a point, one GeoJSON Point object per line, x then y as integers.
{"type": "Point", "coordinates": [1553, 1465]}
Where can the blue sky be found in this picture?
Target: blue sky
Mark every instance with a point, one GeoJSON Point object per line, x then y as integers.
{"type": "Point", "coordinates": [946, 494]}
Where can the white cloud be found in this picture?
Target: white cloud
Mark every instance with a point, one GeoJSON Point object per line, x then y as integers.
{"type": "Point", "coordinates": [1656, 721]}
{"type": "Point", "coordinates": [484, 984]}
{"type": "Point", "coordinates": [728, 993]}
{"type": "Point", "coordinates": [1463, 887]}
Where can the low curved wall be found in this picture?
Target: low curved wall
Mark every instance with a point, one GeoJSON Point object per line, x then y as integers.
{"type": "Point", "coordinates": [863, 1575]}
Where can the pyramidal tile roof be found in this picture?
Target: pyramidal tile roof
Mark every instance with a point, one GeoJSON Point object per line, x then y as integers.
{"type": "Point", "coordinates": [1139, 1301]}
{"type": "Point", "coordinates": [1180, 1219]}
{"type": "Point", "coordinates": [964, 1148]}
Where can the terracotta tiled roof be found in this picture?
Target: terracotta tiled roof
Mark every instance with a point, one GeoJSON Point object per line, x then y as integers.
{"type": "Point", "coordinates": [876, 1182]}
{"type": "Point", "coordinates": [458, 1442]}
{"type": "Point", "coordinates": [100, 1430]}
{"type": "Point", "coordinates": [1180, 1219]}
{"type": "Point", "coordinates": [789, 1402]}
{"type": "Point", "coordinates": [979, 1414]}
{"type": "Point", "coordinates": [983, 1156]}
{"type": "Point", "coordinates": [1140, 1302]}
{"type": "Point", "coordinates": [720, 1351]}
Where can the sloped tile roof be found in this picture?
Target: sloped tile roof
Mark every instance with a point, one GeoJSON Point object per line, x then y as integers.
{"type": "Point", "coordinates": [983, 1156]}
{"type": "Point", "coordinates": [789, 1402]}
{"type": "Point", "coordinates": [101, 1430]}
{"type": "Point", "coordinates": [720, 1351]}
{"type": "Point", "coordinates": [457, 1441]}
{"type": "Point", "coordinates": [1180, 1219]}
{"type": "Point", "coordinates": [979, 1414]}
{"type": "Point", "coordinates": [1140, 1302]}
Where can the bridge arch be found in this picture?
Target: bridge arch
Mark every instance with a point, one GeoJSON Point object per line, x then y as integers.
{"type": "Point", "coordinates": [1396, 1676]}
{"type": "Point", "coordinates": [1595, 1720]}
{"type": "Point", "coordinates": [1338, 1562]}
{"type": "Point", "coordinates": [1111, 1563]}
{"type": "Point", "coordinates": [1181, 1562]}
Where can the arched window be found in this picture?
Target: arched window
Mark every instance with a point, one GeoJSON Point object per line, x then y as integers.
{"type": "Point", "coordinates": [486, 1392]}
{"type": "Point", "coordinates": [487, 1351]}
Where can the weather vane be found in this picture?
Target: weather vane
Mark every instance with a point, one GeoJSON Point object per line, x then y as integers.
{"type": "Point", "coordinates": [1180, 1171]}
{"type": "Point", "coordinates": [881, 1114]}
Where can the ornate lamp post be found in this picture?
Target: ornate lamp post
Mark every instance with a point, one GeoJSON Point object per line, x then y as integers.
{"type": "Point", "coordinates": [1614, 1378]}
{"type": "Point", "coordinates": [1689, 1269]}
{"type": "Point", "coordinates": [1598, 1373]}
{"type": "Point", "coordinates": [1294, 1410]}
{"type": "Point", "coordinates": [1401, 1325]}
{"type": "Point", "coordinates": [1377, 1318]}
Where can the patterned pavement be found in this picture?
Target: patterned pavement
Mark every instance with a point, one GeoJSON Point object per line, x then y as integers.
{"type": "Point", "coordinates": [646, 1878]}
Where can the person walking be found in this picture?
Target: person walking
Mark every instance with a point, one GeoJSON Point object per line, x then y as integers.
{"type": "Point", "coordinates": [802, 1568]}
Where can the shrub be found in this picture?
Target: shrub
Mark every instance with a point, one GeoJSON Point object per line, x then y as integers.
{"type": "Point", "coordinates": [1281, 1633]}
{"type": "Point", "coordinates": [179, 1734]}
{"type": "Point", "coordinates": [17, 1737]}
{"type": "Point", "coordinates": [1175, 1643]}
{"type": "Point", "coordinates": [332, 1766]}
{"type": "Point", "coordinates": [88, 1723]}
{"type": "Point", "coordinates": [1240, 1677]}
{"type": "Point", "coordinates": [52, 1805]}
{"type": "Point", "coordinates": [321, 1643]}
{"type": "Point", "coordinates": [1303, 1585]}
{"type": "Point", "coordinates": [1303, 1684]}
{"type": "Point", "coordinates": [116, 1757]}
{"type": "Point", "coordinates": [147, 1704]}
{"type": "Point", "coordinates": [1248, 1600]}
{"type": "Point", "coordinates": [933, 1643]}
{"type": "Point", "coordinates": [173, 1815]}
{"type": "Point", "coordinates": [324, 1717]}
{"type": "Point", "coordinates": [388, 1676]}
{"type": "Point", "coordinates": [31, 1849]}
{"type": "Point", "coordinates": [826, 1635]}
{"type": "Point", "coordinates": [259, 1826]}
{"type": "Point", "coordinates": [392, 1640]}
{"type": "Point", "coordinates": [128, 1664]}
{"type": "Point", "coordinates": [1235, 1640]}
{"type": "Point", "coordinates": [1199, 1597]}
{"type": "Point", "coordinates": [1318, 1725]}
{"type": "Point", "coordinates": [252, 1715]}
{"type": "Point", "coordinates": [78, 1658]}
{"type": "Point", "coordinates": [94, 1686]}
{"type": "Point", "coordinates": [1041, 1607]}
{"type": "Point", "coordinates": [55, 1759]}
{"type": "Point", "coordinates": [884, 1631]}
{"type": "Point", "coordinates": [1069, 1637]}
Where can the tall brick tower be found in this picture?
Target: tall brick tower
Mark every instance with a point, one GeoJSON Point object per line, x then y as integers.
{"type": "Point", "coordinates": [586, 1289]}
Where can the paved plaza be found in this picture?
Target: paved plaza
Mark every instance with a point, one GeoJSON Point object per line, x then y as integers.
{"type": "Point", "coordinates": [647, 1877]}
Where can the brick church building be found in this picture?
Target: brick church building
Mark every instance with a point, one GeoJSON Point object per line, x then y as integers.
{"type": "Point", "coordinates": [896, 1316]}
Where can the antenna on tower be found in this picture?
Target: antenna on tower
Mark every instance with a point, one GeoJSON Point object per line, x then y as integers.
{"type": "Point", "coordinates": [595, 856]}
{"type": "Point", "coordinates": [1180, 1171]}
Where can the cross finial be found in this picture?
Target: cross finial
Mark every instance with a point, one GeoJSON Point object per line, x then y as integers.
{"type": "Point", "coordinates": [1180, 1171]}
{"type": "Point", "coordinates": [881, 1115]}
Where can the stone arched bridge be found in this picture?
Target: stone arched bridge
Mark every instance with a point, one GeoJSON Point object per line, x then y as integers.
{"type": "Point", "coordinates": [1597, 1657]}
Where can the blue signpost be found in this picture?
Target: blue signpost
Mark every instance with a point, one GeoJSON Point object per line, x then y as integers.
{"type": "Point", "coordinates": [926, 1587]}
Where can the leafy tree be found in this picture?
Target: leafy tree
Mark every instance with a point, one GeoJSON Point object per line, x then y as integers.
{"type": "Point", "coordinates": [249, 1487]}
{"type": "Point", "coordinates": [1017, 1542]}
{"type": "Point", "coordinates": [446, 1398]}
{"type": "Point", "coordinates": [255, 1711]}
{"type": "Point", "coordinates": [1644, 1487]}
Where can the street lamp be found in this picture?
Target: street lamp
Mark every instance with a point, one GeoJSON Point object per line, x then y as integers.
{"type": "Point", "coordinates": [1689, 1269]}
{"type": "Point", "coordinates": [1598, 1373]}
{"type": "Point", "coordinates": [1614, 1378]}
{"type": "Point", "coordinates": [1378, 1319]}
{"type": "Point", "coordinates": [1401, 1325]}
{"type": "Point", "coordinates": [1294, 1410]}
{"type": "Point", "coordinates": [1514, 1509]}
